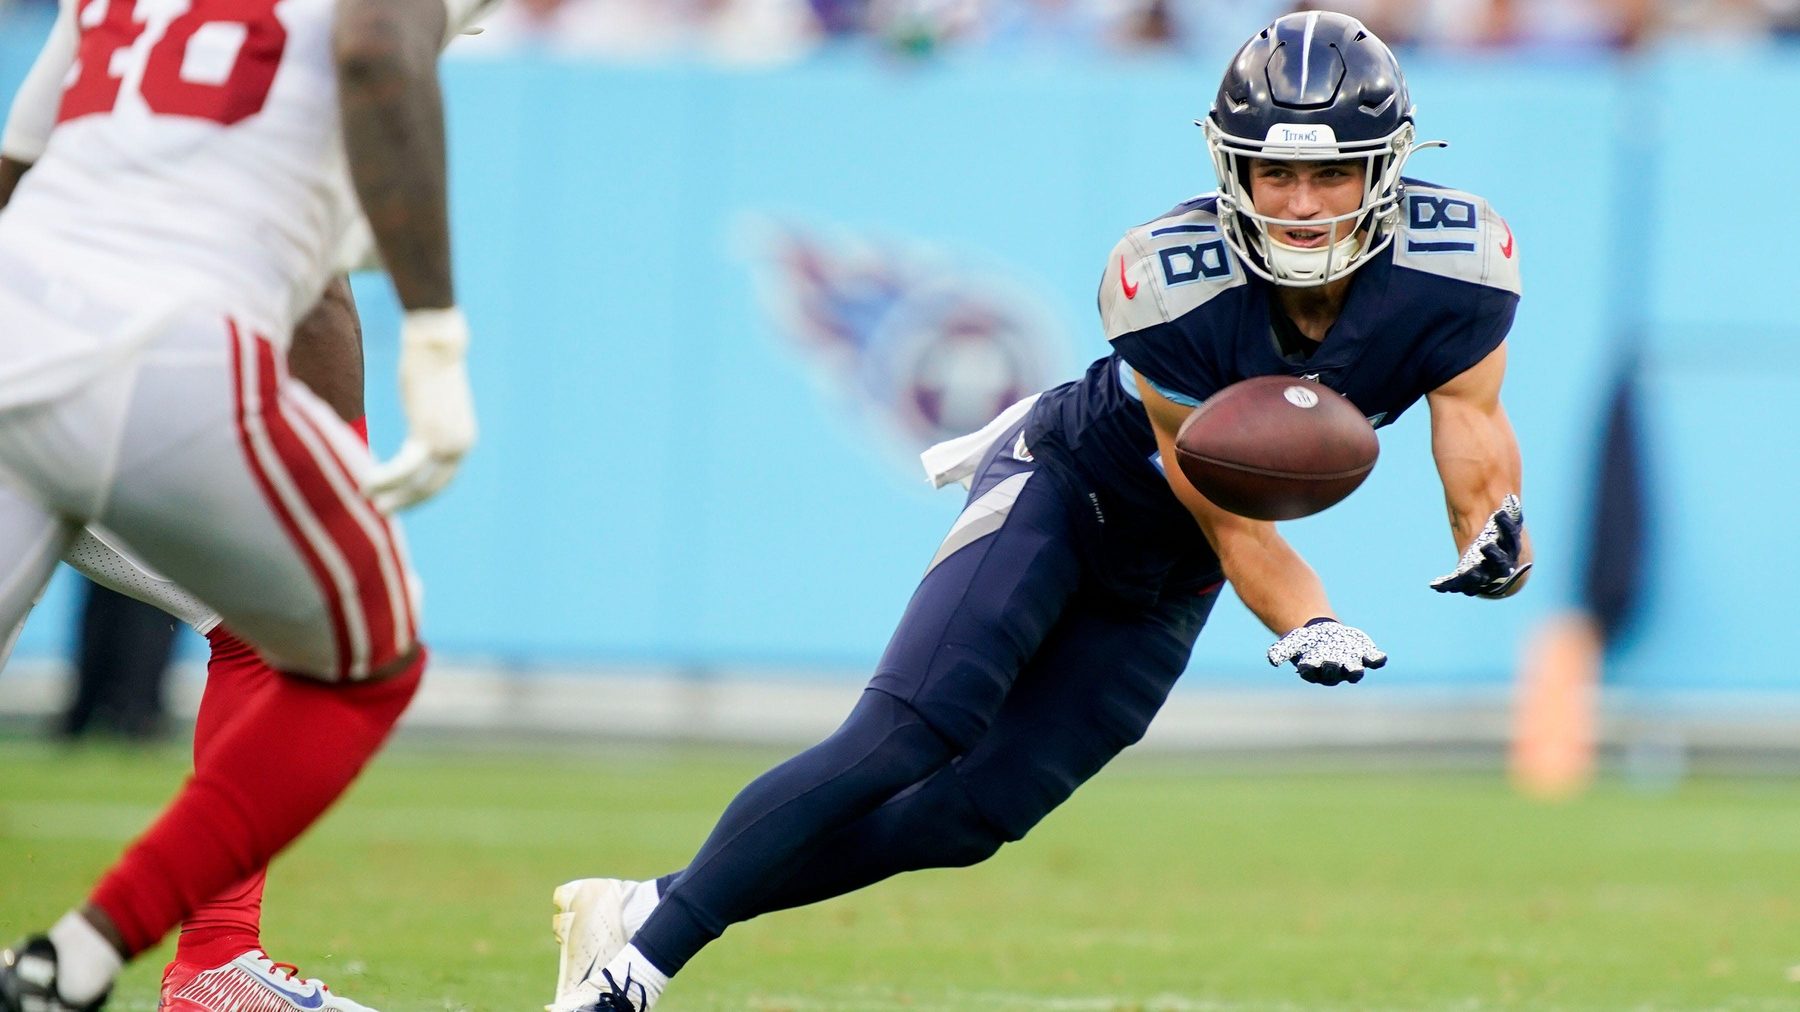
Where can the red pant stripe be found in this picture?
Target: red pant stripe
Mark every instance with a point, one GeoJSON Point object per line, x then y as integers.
{"type": "Point", "coordinates": [253, 437]}
{"type": "Point", "coordinates": [334, 508]}
{"type": "Point", "coordinates": [380, 530]}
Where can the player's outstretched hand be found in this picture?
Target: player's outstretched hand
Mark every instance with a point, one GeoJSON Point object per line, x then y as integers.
{"type": "Point", "coordinates": [1327, 652]}
{"type": "Point", "coordinates": [1490, 565]}
{"type": "Point", "coordinates": [440, 411]}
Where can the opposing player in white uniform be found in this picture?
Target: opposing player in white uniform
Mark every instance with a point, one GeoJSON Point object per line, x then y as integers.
{"type": "Point", "coordinates": [187, 211]}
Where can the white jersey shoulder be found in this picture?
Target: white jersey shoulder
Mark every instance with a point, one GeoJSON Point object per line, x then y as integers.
{"type": "Point", "coordinates": [201, 156]}
{"type": "Point", "coordinates": [1164, 269]}
{"type": "Point", "coordinates": [1455, 234]}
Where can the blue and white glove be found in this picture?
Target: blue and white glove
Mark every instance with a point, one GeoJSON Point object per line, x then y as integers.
{"type": "Point", "coordinates": [1490, 565]}
{"type": "Point", "coordinates": [1327, 652]}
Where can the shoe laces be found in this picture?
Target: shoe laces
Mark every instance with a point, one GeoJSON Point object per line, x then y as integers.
{"type": "Point", "coordinates": [618, 999]}
{"type": "Point", "coordinates": [291, 971]}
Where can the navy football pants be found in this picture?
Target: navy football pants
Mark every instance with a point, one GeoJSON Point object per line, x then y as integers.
{"type": "Point", "coordinates": [1007, 685]}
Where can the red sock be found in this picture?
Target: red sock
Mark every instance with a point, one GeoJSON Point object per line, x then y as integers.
{"type": "Point", "coordinates": [262, 777]}
{"type": "Point", "coordinates": [231, 923]}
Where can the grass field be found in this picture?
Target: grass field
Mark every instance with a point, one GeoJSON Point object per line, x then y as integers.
{"type": "Point", "coordinates": [1168, 884]}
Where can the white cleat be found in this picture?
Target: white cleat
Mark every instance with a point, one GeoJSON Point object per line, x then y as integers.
{"type": "Point", "coordinates": [250, 983]}
{"type": "Point", "coordinates": [589, 924]}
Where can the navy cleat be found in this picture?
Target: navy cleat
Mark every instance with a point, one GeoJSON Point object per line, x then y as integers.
{"type": "Point", "coordinates": [28, 980]}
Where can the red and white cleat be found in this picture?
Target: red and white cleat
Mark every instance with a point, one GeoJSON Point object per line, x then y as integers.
{"type": "Point", "coordinates": [250, 983]}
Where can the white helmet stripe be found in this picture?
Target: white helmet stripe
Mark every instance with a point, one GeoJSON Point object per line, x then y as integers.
{"type": "Point", "coordinates": [1312, 22]}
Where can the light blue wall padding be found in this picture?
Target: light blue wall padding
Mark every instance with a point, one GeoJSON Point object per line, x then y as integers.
{"type": "Point", "coordinates": [665, 477]}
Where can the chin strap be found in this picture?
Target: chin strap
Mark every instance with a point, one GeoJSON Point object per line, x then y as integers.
{"type": "Point", "coordinates": [1305, 264]}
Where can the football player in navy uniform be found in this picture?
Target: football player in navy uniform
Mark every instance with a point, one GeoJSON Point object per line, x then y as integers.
{"type": "Point", "coordinates": [1055, 617]}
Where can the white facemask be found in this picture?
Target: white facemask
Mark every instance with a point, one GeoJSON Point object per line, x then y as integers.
{"type": "Point", "coordinates": [1305, 263]}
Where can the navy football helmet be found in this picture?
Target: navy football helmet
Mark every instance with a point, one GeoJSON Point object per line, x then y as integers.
{"type": "Point", "coordinates": [1313, 86]}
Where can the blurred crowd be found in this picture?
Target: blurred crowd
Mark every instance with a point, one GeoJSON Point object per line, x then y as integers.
{"type": "Point", "coordinates": [776, 31]}
{"type": "Point", "coordinates": [757, 31]}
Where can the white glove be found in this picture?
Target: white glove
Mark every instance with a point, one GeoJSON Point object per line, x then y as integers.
{"type": "Point", "coordinates": [1326, 652]}
{"type": "Point", "coordinates": [440, 413]}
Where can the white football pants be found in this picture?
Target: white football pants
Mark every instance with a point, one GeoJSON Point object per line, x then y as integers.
{"type": "Point", "coordinates": [228, 477]}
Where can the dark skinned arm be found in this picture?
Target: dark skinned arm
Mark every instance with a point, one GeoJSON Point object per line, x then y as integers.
{"type": "Point", "coordinates": [11, 171]}
{"type": "Point", "coordinates": [327, 352]}
{"type": "Point", "coordinates": [393, 122]}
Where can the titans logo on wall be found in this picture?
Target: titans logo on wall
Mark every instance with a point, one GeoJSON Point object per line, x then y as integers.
{"type": "Point", "coordinates": [933, 346]}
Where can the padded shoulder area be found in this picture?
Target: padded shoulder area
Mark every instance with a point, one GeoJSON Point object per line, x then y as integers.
{"type": "Point", "coordinates": [1455, 234]}
{"type": "Point", "coordinates": [1164, 269]}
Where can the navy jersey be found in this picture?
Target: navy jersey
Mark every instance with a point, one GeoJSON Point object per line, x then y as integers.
{"type": "Point", "coordinates": [1180, 311]}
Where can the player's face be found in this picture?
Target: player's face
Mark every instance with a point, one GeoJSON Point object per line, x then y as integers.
{"type": "Point", "coordinates": [1306, 191]}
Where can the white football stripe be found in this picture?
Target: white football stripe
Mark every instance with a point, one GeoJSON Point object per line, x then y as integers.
{"type": "Point", "coordinates": [275, 470]}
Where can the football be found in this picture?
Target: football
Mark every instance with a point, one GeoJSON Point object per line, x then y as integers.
{"type": "Point", "coordinates": [1276, 448]}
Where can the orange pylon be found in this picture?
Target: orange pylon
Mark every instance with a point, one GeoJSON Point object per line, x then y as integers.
{"type": "Point", "coordinates": [1555, 708]}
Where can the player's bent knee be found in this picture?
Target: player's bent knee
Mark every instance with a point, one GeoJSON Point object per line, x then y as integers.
{"type": "Point", "coordinates": [326, 669]}
{"type": "Point", "coordinates": [891, 733]}
{"type": "Point", "coordinates": [313, 665]}
{"type": "Point", "coordinates": [879, 708]}
{"type": "Point", "coordinates": [963, 690]}
{"type": "Point", "coordinates": [408, 664]}
{"type": "Point", "coordinates": [960, 834]}
{"type": "Point", "coordinates": [972, 839]}
{"type": "Point", "coordinates": [968, 846]}
{"type": "Point", "coordinates": [1014, 804]}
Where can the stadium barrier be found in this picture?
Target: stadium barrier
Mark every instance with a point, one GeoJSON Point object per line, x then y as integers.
{"type": "Point", "coordinates": [717, 312]}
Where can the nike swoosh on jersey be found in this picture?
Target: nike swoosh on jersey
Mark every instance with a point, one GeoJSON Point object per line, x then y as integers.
{"type": "Point", "coordinates": [1125, 284]}
{"type": "Point", "coordinates": [1506, 247]}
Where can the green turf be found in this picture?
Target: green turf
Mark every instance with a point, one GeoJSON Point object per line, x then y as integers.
{"type": "Point", "coordinates": [1166, 885]}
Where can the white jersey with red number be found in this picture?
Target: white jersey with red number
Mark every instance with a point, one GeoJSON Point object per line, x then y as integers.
{"type": "Point", "coordinates": [196, 156]}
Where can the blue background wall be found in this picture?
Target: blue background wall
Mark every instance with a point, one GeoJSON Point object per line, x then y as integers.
{"type": "Point", "coordinates": [665, 475]}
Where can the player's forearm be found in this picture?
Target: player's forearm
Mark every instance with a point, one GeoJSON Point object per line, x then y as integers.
{"type": "Point", "coordinates": [1478, 463]}
{"type": "Point", "coordinates": [1265, 572]}
{"type": "Point", "coordinates": [11, 171]}
{"type": "Point", "coordinates": [393, 121]}
{"type": "Point", "coordinates": [1470, 497]}
{"type": "Point", "coordinates": [1272, 580]}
